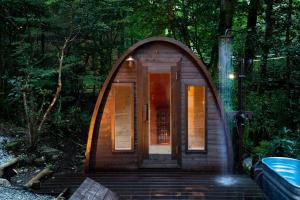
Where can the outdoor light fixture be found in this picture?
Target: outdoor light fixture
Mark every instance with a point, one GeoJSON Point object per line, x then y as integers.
{"type": "Point", "coordinates": [231, 76]}
{"type": "Point", "coordinates": [130, 61]}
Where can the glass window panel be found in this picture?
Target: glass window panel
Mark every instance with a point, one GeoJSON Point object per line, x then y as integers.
{"type": "Point", "coordinates": [196, 117]}
{"type": "Point", "coordinates": [159, 102]}
{"type": "Point", "coordinates": [123, 116]}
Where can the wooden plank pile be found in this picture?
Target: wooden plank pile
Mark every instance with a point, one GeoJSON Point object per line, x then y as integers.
{"type": "Point", "coordinates": [92, 190]}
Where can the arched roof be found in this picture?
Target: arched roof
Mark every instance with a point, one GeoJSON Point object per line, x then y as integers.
{"type": "Point", "coordinates": [199, 64]}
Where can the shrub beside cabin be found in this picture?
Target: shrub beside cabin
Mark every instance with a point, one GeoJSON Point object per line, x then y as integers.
{"type": "Point", "coordinates": [158, 108]}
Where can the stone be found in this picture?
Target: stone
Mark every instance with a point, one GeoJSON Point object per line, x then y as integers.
{"type": "Point", "coordinates": [247, 163]}
{"type": "Point", "coordinates": [13, 145]}
{"type": "Point", "coordinates": [4, 182]}
{"type": "Point", "coordinates": [39, 161]}
{"type": "Point", "coordinates": [49, 151]}
{"type": "Point", "coordinates": [55, 157]}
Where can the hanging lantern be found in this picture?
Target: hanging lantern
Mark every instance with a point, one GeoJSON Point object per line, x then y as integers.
{"type": "Point", "coordinates": [130, 61]}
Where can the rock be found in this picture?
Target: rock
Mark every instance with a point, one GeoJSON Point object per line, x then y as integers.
{"type": "Point", "coordinates": [4, 182]}
{"type": "Point", "coordinates": [247, 163]}
{"type": "Point", "coordinates": [55, 157]}
{"type": "Point", "coordinates": [39, 161]}
{"type": "Point", "coordinates": [7, 193]}
{"type": "Point", "coordinates": [14, 145]}
{"type": "Point", "coordinates": [49, 152]}
{"type": "Point", "coordinates": [24, 160]}
{"type": "Point", "coordinates": [4, 154]}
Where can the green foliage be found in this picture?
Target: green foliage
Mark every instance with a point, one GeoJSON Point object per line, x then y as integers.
{"type": "Point", "coordinates": [33, 31]}
{"type": "Point", "coordinates": [286, 143]}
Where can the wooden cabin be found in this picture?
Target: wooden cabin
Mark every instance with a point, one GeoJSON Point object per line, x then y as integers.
{"type": "Point", "coordinates": [158, 108]}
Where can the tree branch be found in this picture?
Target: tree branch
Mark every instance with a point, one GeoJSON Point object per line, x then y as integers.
{"type": "Point", "coordinates": [28, 119]}
{"type": "Point", "coordinates": [59, 82]}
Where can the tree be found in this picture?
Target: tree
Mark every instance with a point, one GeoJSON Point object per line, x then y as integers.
{"type": "Point", "coordinates": [268, 36]}
{"type": "Point", "coordinates": [251, 38]}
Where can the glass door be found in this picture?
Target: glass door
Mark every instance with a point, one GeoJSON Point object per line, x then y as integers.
{"type": "Point", "coordinates": [159, 114]}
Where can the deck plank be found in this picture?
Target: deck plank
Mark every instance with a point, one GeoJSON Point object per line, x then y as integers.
{"type": "Point", "coordinates": [161, 185]}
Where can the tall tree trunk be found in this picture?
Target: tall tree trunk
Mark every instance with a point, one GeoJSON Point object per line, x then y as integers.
{"type": "Point", "coordinates": [226, 15]}
{"type": "Point", "coordinates": [43, 42]}
{"type": "Point", "coordinates": [268, 37]}
{"type": "Point", "coordinates": [59, 81]}
{"type": "Point", "coordinates": [250, 43]}
{"type": "Point", "coordinates": [171, 18]}
{"type": "Point", "coordinates": [288, 56]}
{"type": "Point", "coordinates": [184, 23]}
{"type": "Point", "coordinates": [225, 22]}
{"type": "Point", "coordinates": [287, 36]}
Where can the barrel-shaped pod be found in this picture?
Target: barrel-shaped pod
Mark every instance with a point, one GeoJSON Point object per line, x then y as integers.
{"type": "Point", "coordinates": [127, 71]}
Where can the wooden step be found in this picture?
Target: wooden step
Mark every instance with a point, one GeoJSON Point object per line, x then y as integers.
{"type": "Point", "coordinates": [160, 163]}
{"type": "Point", "coordinates": [161, 157]}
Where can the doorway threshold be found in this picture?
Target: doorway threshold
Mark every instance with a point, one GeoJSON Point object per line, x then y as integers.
{"type": "Point", "coordinates": [160, 164]}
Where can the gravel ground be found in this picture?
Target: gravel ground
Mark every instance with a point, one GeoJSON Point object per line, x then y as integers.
{"type": "Point", "coordinates": [12, 193]}
{"type": "Point", "coordinates": [4, 156]}
{"type": "Point", "coordinates": [15, 193]}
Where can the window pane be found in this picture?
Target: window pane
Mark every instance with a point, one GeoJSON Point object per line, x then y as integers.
{"type": "Point", "coordinates": [159, 92]}
{"type": "Point", "coordinates": [123, 116]}
{"type": "Point", "coordinates": [196, 117]}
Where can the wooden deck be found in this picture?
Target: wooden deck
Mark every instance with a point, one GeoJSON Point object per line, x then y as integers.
{"type": "Point", "coordinates": [161, 185]}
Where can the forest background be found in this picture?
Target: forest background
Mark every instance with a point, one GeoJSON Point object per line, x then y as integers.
{"type": "Point", "coordinates": [61, 51]}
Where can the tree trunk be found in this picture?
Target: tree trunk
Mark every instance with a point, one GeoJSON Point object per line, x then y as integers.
{"type": "Point", "coordinates": [287, 36]}
{"type": "Point", "coordinates": [43, 43]}
{"type": "Point", "coordinates": [59, 82]}
{"type": "Point", "coordinates": [8, 164]}
{"type": "Point", "coordinates": [250, 44]}
{"type": "Point", "coordinates": [268, 37]}
{"type": "Point", "coordinates": [184, 23]}
{"type": "Point", "coordinates": [171, 18]}
{"type": "Point", "coordinates": [288, 56]}
{"type": "Point", "coordinates": [36, 179]}
{"type": "Point", "coordinates": [31, 134]}
{"type": "Point", "coordinates": [226, 15]}
{"type": "Point", "coordinates": [225, 22]}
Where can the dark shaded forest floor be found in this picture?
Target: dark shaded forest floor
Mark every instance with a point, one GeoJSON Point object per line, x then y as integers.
{"type": "Point", "coordinates": [62, 154]}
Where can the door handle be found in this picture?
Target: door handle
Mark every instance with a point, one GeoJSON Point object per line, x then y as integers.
{"type": "Point", "coordinates": [145, 112]}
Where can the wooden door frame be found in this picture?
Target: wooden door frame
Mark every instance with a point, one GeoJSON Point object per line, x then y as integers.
{"type": "Point", "coordinates": [143, 65]}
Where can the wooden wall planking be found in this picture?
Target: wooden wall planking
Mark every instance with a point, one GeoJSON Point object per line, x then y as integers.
{"type": "Point", "coordinates": [216, 156]}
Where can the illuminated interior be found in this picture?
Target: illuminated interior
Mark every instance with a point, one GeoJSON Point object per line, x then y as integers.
{"type": "Point", "coordinates": [196, 117]}
{"type": "Point", "coordinates": [159, 113]}
{"type": "Point", "coordinates": [123, 116]}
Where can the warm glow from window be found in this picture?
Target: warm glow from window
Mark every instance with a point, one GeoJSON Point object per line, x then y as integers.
{"type": "Point", "coordinates": [122, 122]}
{"type": "Point", "coordinates": [196, 117]}
{"type": "Point", "coordinates": [159, 115]}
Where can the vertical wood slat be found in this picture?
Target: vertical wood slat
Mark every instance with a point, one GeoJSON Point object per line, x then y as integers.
{"type": "Point", "coordinates": [175, 109]}
{"type": "Point", "coordinates": [139, 111]}
{"type": "Point", "coordinates": [193, 72]}
{"type": "Point", "coordinates": [145, 107]}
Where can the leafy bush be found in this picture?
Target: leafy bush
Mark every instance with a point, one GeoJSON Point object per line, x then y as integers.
{"type": "Point", "coordinates": [286, 144]}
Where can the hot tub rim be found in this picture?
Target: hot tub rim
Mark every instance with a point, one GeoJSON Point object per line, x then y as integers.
{"type": "Point", "coordinates": [265, 165]}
